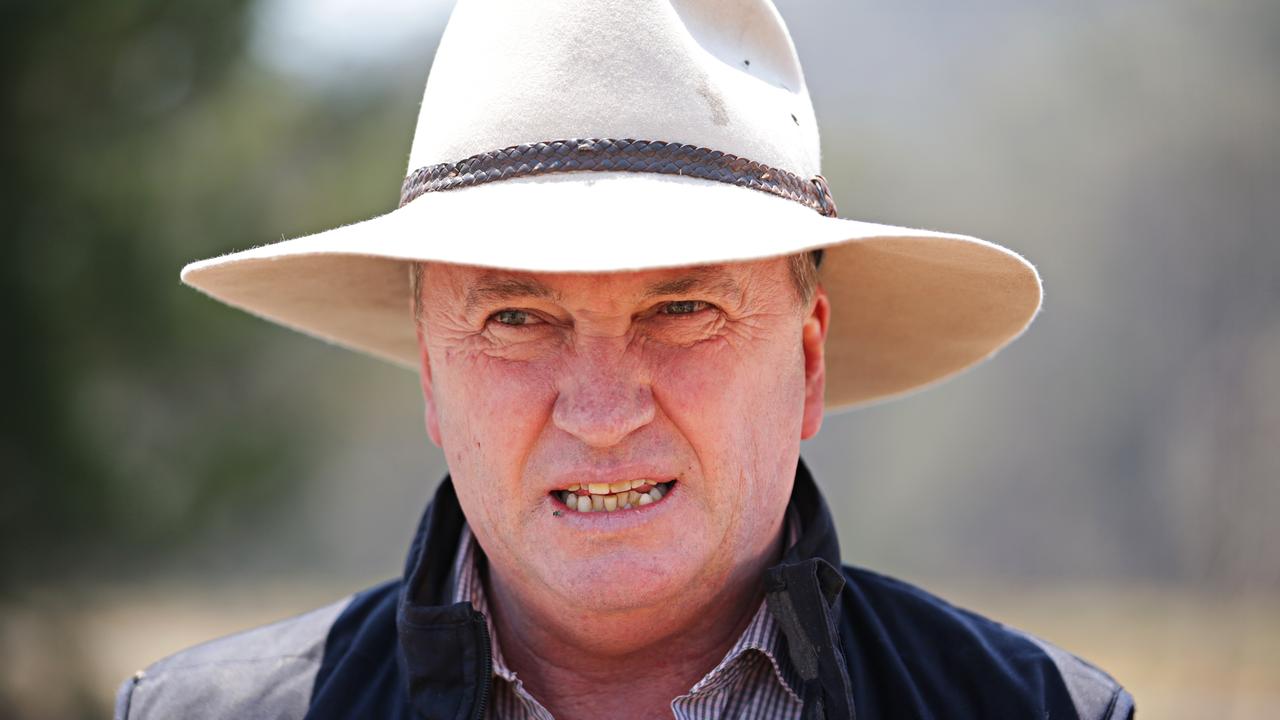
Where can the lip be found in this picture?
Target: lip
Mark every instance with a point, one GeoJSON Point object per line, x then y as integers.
{"type": "Point", "coordinates": [585, 477]}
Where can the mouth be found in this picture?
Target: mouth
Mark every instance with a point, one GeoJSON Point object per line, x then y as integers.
{"type": "Point", "coordinates": [613, 497]}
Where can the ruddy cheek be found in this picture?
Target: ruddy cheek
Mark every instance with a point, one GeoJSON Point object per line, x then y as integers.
{"type": "Point", "coordinates": [699, 379]}
{"type": "Point", "coordinates": [491, 405]}
{"type": "Point", "coordinates": [505, 405]}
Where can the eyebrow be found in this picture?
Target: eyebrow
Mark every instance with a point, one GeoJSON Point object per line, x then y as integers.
{"type": "Point", "coordinates": [709, 279]}
{"type": "Point", "coordinates": [492, 289]}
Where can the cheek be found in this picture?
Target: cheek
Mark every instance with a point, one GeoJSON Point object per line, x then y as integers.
{"type": "Point", "coordinates": [740, 407]}
{"type": "Point", "coordinates": [490, 412]}
{"type": "Point", "coordinates": [732, 388]}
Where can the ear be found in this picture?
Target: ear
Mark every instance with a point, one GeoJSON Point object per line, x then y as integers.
{"type": "Point", "coordinates": [432, 417]}
{"type": "Point", "coordinates": [813, 339]}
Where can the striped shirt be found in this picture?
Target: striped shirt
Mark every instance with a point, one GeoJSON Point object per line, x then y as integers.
{"type": "Point", "coordinates": [754, 681]}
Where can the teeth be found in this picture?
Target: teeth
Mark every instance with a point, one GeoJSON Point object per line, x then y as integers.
{"type": "Point", "coordinates": [574, 487]}
{"type": "Point", "coordinates": [611, 497]}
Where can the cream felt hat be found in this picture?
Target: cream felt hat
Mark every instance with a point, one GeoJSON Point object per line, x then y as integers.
{"type": "Point", "coordinates": [608, 135]}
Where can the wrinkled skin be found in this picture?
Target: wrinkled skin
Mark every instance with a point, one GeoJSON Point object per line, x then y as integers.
{"type": "Point", "coordinates": [710, 376]}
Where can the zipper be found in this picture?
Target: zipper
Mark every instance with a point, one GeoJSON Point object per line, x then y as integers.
{"type": "Point", "coordinates": [482, 705]}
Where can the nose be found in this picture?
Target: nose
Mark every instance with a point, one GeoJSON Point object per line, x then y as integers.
{"type": "Point", "coordinates": [603, 398]}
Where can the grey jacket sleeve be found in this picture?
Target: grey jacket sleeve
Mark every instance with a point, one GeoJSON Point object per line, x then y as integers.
{"type": "Point", "coordinates": [124, 695]}
{"type": "Point", "coordinates": [1096, 695]}
{"type": "Point", "coordinates": [263, 673]}
{"type": "Point", "coordinates": [1121, 706]}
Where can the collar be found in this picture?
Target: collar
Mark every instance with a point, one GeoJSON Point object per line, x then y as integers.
{"type": "Point", "coordinates": [444, 651]}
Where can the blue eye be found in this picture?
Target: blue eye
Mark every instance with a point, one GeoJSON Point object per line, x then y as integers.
{"type": "Point", "coordinates": [511, 317]}
{"type": "Point", "coordinates": [683, 307]}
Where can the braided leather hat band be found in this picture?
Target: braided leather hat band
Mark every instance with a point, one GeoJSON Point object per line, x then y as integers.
{"type": "Point", "coordinates": [614, 155]}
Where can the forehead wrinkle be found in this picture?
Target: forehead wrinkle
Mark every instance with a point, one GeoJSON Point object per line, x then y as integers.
{"type": "Point", "coordinates": [494, 288]}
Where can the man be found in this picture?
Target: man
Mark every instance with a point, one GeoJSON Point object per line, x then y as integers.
{"type": "Point", "coordinates": [622, 281]}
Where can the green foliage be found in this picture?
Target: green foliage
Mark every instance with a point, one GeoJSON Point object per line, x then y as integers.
{"type": "Point", "coordinates": [136, 138]}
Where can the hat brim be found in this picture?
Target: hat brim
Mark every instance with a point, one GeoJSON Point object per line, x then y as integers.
{"type": "Point", "coordinates": [909, 307]}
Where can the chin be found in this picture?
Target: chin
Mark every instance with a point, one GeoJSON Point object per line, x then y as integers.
{"type": "Point", "coordinates": [622, 579]}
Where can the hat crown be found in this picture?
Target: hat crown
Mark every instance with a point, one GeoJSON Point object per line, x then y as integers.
{"type": "Point", "coordinates": [721, 74]}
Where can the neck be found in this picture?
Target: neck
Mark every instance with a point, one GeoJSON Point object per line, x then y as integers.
{"type": "Point", "coordinates": [624, 665]}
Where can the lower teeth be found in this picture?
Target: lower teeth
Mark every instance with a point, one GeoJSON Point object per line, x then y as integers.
{"type": "Point", "coordinates": [613, 501]}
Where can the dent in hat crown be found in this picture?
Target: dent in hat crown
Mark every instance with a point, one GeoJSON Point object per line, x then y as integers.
{"type": "Point", "coordinates": [721, 74]}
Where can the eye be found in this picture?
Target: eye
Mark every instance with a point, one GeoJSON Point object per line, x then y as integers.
{"type": "Point", "coordinates": [514, 318]}
{"type": "Point", "coordinates": [683, 307]}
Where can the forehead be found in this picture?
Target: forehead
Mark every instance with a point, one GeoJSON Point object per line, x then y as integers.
{"type": "Point", "coordinates": [471, 286]}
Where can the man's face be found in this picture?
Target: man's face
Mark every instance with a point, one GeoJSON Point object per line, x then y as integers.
{"type": "Point", "coordinates": [700, 381]}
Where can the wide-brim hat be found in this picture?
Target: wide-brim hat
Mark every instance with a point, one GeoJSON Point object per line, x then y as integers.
{"type": "Point", "coordinates": [613, 135]}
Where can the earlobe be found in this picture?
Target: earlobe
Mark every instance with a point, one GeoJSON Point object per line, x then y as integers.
{"type": "Point", "coordinates": [813, 339]}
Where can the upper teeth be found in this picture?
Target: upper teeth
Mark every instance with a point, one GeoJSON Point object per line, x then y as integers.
{"type": "Point", "coordinates": [620, 495]}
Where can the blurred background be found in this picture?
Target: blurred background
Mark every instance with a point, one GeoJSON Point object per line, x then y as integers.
{"type": "Point", "coordinates": [174, 470]}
